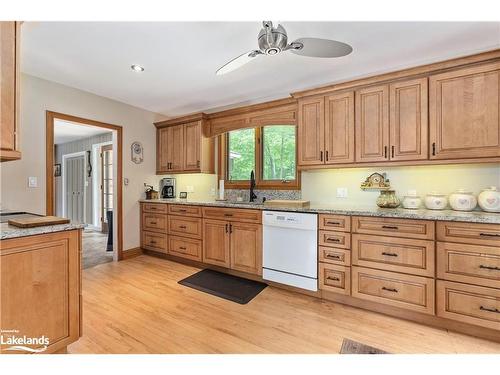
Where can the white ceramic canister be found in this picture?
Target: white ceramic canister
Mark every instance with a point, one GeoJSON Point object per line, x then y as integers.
{"type": "Point", "coordinates": [489, 199]}
{"type": "Point", "coordinates": [435, 201]}
{"type": "Point", "coordinates": [462, 200]}
{"type": "Point", "coordinates": [412, 201]}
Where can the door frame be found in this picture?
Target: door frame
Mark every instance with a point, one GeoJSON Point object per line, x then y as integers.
{"type": "Point", "coordinates": [63, 177]}
{"type": "Point", "coordinates": [95, 183]}
{"type": "Point", "coordinates": [50, 118]}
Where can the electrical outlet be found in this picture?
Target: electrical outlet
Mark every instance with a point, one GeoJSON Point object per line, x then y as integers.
{"type": "Point", "coordinates": [341, 192]}
{"type": "Point", "coordinates": [32, 182]}
{"type": "Point", "coordinates": [190, 188]}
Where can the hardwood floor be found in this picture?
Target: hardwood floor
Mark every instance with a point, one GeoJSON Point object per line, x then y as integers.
{"type": "Point", "coordinates": [136, 306]}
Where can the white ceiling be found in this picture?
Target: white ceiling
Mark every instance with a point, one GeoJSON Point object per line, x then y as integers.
{"type": "Point", "coordinates": [65, 131]}
{"type": "Point", "coordinates": [181, 58]}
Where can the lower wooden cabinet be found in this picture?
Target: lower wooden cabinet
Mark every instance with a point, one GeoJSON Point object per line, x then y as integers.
{"type": "Point", "coordinates": [41, 288]}
{"type": "Point", "coordinates": [395, 289]}
{"type": "Point", "coordinates": [469, 304]}
{"type": "Point", "coordinates": [154, 241]}
{"type": "Point", "coordinates": [333, 278]}
{"type": "Point", "coordinates": [233, 245]}
{"type": "Point", "coordinates": [188, 248]}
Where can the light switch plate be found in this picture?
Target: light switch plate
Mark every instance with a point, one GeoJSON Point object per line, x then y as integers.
{"type": "Point", "coordinates": [341, 192]}
{"type": "Point", "coordinates": [32, 182]}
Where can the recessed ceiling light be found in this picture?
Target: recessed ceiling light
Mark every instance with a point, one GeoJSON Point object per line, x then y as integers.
{"type": "Point", "coordinates": [137, 68]}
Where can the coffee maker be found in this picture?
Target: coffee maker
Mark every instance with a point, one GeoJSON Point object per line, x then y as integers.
{"type": "Point", "coordinates": [167, 188]}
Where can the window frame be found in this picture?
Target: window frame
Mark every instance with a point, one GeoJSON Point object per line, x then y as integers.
{"type": "Point", "coordinates": [260, 183]}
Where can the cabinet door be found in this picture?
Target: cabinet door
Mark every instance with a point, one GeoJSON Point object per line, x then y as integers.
{"type": "Point", "coordinates": [339, 128]}
{"type": "Point", "coordinates": [192, 135]}
{"type": "Point", "coordinates": [161, 150]}
{"type": "Point", "coordinates": [216, 242]}
{"type": "Point", "coordinates": [464, 113]}
{"type": "Point", "coordinates": [311, 131]}
{"type": "Point", "coordinates": [9, 93]}
{"type": "Point", "coordinates": [175, 148]}
{"type": "Point", "coordinates": [408, 120]}
{"type": "Point", "coordinates": [372, 124]}
{"type": "Point", "coordinates": [246, 247]}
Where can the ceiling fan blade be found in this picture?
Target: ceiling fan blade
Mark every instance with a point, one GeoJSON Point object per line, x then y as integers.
{"type": "Point", "coordinates": [316, 47]}
{"type": "Point", "coordinates": [238, 62]}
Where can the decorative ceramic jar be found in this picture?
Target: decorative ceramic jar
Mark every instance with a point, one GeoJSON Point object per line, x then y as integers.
{"type": "Point", "coordinates": [463, 200]}
{"type": "Point", "coordinates": [412, 201]}
{"type": "Point", "coordinates": [435, 201]}
{"type": "Point", "coordinates": [388, 199]}
{"type": "Point", "coordinates": [489, 199]}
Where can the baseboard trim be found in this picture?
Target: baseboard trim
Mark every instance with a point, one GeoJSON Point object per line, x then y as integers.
{"type": "Point", "coordinates": [132, 253]}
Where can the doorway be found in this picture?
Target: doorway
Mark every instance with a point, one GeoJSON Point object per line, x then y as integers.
{"type": "Point", "coordinates": [81, 177]}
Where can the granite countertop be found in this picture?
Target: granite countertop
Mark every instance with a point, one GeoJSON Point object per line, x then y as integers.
{"type": "Point", "coordinates": [352, 210]}
{"type": "Point", "coordinates": [10, 231]}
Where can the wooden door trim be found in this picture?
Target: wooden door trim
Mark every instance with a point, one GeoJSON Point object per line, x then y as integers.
{"type": "Point", "coordinates": [50, 117]}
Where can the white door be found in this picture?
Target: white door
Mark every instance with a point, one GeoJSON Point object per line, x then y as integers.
{"type": "Point", "coordinates": [74, 180]}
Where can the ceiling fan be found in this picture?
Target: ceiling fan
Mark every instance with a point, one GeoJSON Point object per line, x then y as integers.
{"type": "Point", "coordinates": [273, 40]}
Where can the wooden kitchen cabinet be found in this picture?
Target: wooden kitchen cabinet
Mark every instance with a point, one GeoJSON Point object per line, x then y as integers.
{"type": "Point", "coordinates": [464, 113]}
{"type": "Point", "coordinates": [216, 242]}
{"type": "Point", "coordinates": [246, 247]}
{"type": "Point", "coordinates": [408, 120]}
{"type": "Point", "coordinates": [372, 124]}
{"type": "Point", "coordinates": [182, 148]}
{"type": "Point", "coordinates": [40, 287]}
{"type": "Point", "coordinates": [311, 131]}
{"type": "Point", "coordinates": [10, 36]}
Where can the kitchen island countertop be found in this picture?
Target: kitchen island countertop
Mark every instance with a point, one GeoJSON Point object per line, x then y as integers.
{"type": "Point", "coordinates": [475, 216]}
{"type": "Point", "coordinates": [9, 231]}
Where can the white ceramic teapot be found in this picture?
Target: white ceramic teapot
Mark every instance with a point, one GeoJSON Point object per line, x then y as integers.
{"type": "Point", "coordinates": [489, 200]}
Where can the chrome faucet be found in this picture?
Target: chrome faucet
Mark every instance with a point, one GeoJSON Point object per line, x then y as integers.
{"type": "Point", "coordinates": [253, 197]}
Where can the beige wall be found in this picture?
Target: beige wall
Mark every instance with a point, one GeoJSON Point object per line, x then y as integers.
{"type": "Point", "coordinates": [320, 186]}
{"type": "Point", "coordinates": [37, 96]}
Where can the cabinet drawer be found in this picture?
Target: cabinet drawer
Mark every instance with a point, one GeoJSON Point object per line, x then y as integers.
{"type": "Point", "coordinates": [154, 241]}
{"type": "Point", "coordinates": [154, 207]}
{"type": "Point", "coordinates": [473, 264]}
{"type": "Point", "coordinates": [480, 234]}
{"type": "Point", "coordinates": [185, 210]}
{"type": "Point", "coordinates": [154, 222]}
{"type": "Point", "coordinates": [184, 247]}
{"type": "Point", "coordinates": [469, 304]}
{"type": "Point", "coordinates": [236, 214]}
{"type": "Point", "coordinates": [335, 222]}
{"type": "Point", "coordinates": [405, 255]}
{"type": "Point", "coordinates": [334, 256]}
{"type": "Point", "coordinates": [419, 229]}
{"type": "Point", "coordinates": [184, 226]}
{"type": "Point", "coordinates": [335, 279]}
{"type": "Point", "coordinates": [335, 239]}
{"type": "Point", "coordinates": [406, 291]}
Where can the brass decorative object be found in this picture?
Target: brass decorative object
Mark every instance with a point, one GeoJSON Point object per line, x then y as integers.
{"type": "Point", "coordinates": [376, 181]}
{"type": "Point", "coordinates": [388, 199]}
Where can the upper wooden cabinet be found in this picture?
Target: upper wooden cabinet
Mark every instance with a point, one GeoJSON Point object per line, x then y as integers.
{"type": "Point", "coordinates": [372, 124]}
{"type": "Point", "coordinates": [391, 122]}
{"type": "Point", "coordinates": [10, 36]}
{"type": "Point", "coordinates": [464, 113]}
{"type": "Point", "coordinates": [182, 148]}
{"type": "Point", "coordinates": [326, 130]}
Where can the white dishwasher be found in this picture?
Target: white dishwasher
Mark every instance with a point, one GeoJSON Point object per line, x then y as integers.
{"type": "Point", "coordinates": [290, 248]}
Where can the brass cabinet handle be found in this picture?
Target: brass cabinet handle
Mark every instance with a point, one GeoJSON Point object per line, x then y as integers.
{"type": "Point", "coordinates": [333, 222]}
{"type": "Point", "coordinates": [392, 151]}
{"type": "Point", "coordinates": [326, 154]}
{"type": "Point", "coordinates": [182, 226]}
{"type": "Point", "coordinates": [197, 163]}
{"type": "Point", "coordinates": [332, 256]}
{"type": "Point", "coordinates": [489, 234]}
{"type": "Point", "coordinates": [332, 278]}
{"type": "Point", "coordinates": [226, 228]}
{"type": "Point", "coordinates": [182, 248]}
{"type": "Point", "coordinates": [153, 222]}
{"type": "Point", "coordinates": [152, 242]}
{"type": "Point", "coordinates": [321, 155]}
{"type": "Point", "coordinates": [230, 228]}
{"type": "Point", "coordinates": [393, 290]}
{"type": "Point", "coordinates": [494, 268]}
{"type": "Point", "coordinates": [433, 148]}
{"type": "Point", "coordinates": [389, 254]}
{"type": "Point", "coordinates": [385, 152]}
{"type": "Point", "coordinates": [389, 227]}
{"type": "Point", "coordinates": [489, 310]}
{"type": "Point", "coordinates": [228, 215]}
{"type": "Point", "coordinates": [182, 210]}
{"type": "Point", "coordinates": [153, 208]}
{"type": "Point", "coordinates": [329, 239]}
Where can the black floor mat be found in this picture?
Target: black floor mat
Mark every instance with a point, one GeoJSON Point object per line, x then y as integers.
{"type": "Point", "coordinates": [229, 287]}
{"type": "Point", "coordinates": [354, 347]}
